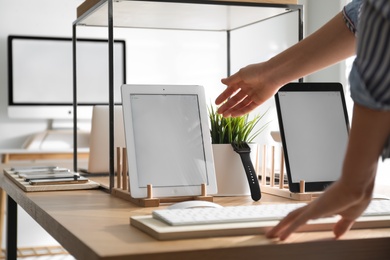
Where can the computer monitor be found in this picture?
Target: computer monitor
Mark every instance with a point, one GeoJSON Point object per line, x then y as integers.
{"type": "Point", "coordinates": [41, 76]}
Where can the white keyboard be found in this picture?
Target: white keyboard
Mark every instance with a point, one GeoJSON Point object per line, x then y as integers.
{"type": "Point", "coordinates": [234, 214]}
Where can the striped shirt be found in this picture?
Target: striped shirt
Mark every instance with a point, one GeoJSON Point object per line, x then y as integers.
{"type": "Point", "coordinates": [369, 20]}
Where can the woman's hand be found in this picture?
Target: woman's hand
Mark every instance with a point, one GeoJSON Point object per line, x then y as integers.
{"type": "Point", "coordinates": [351, 194]}
{"type": "Point", "coordinates": [336, 200]}
{"type": "Point", "coordinates": [246, 90]}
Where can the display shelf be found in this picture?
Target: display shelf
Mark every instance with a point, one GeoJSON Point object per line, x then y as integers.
{"type": "Point", "coordinates": [202, 15]}
{"type": "Point", "coordinates": [218, 16]}
{"type": "Point", "coordinates": [92, 5]}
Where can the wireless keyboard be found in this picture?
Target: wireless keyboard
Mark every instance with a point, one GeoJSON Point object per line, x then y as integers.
{"type": "Point", "coordinates": [234, 214]}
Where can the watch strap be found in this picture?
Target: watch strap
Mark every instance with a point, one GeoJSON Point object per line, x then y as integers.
{"type": "Point", "coordinates": [249, 170]}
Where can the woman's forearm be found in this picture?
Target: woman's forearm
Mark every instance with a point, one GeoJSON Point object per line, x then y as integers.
{"type": "Point", "coordinates": [252, 85]}
{"type": "Point", "coordinates": [330, 44]}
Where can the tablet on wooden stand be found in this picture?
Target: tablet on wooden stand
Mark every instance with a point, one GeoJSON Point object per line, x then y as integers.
{"type": "Point", "coordinates": [168, 141]}
{"type": "Point", "coordinates": [313, 123]}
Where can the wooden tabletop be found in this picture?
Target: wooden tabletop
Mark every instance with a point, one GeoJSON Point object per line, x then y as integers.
{"type": "Point", "coordinates": [92, 224]}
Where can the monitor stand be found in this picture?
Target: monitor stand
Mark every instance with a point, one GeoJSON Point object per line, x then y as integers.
{"type": "Point", "coordinates": [54, 140]}
{"type": "Point", "coordinates": [59, 136]}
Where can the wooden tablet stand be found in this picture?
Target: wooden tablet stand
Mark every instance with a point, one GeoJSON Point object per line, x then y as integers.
{"type": "Point", "coordinates": [122, 189]}
{"type": "Point", "coordinates": [281, 189]}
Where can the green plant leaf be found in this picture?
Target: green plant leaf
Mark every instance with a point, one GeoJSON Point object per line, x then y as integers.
{"type": "Point", "coordinates": [226, 130]}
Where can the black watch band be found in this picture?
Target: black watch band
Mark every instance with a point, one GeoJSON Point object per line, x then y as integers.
{"type": "Point", "coordinates": [244, 151]}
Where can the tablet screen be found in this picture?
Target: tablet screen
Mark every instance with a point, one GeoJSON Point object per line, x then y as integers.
{"type": "Point", "coordinates": [314, 129]}
{"type": "Point", "coordinates": [168, 139]}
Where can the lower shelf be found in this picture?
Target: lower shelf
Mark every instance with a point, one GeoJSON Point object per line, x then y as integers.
{"type": "Point", "coordinates": [37, 251]}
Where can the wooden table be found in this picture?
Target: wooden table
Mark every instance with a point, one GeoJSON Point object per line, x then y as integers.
{"type": "Point", "coordinates": [92, 224]}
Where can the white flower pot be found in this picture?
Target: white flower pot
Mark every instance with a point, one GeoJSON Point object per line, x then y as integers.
{"type": "Point", "coordinates": [231, 177]}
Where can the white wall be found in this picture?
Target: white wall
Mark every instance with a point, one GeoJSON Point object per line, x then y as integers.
{"type": "Point", "coordinates": [41, 18]}
{"type": "Point", "coordinates": [317, 13]}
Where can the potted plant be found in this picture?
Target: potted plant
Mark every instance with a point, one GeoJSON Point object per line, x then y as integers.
{"type": "Point", "coordinates": [231, 177]}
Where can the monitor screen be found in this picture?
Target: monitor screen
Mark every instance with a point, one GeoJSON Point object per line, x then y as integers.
{"type": "Point", "coordinates": [41, 76]}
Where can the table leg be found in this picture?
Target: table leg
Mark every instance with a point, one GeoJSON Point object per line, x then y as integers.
{"type": "Point", "coordinates": [2, 214]}
{"type": "Point", "coordinates": [5, 158]}
{"type": "Point", "coordinates": [12, 221]}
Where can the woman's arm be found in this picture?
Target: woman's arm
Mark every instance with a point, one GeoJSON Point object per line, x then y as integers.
{"type": "Point", "coordinates": [256, 83]}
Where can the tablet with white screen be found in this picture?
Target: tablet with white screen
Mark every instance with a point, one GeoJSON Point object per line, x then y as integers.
{"type": "Point", "coordinates": [314, 128]}
{"type": "Point", "coordinates": [168, 140]}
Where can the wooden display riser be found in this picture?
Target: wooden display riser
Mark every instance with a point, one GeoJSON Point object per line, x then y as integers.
{"type": "Point", "coordinates": [285, 193]}
{"type": "Point", "coordinates": [274, 184]}
{"type": "Point", "coordinates": [155, 202]}
{"type": "Point", "coordinates": [122, 189]}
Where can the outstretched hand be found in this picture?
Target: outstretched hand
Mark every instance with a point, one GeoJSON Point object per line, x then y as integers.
{"type": "Point", "coordinates": [246, 90]}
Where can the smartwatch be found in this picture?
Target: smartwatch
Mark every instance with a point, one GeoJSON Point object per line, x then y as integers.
{"type": "Point", "coordinates": [243, 149]}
